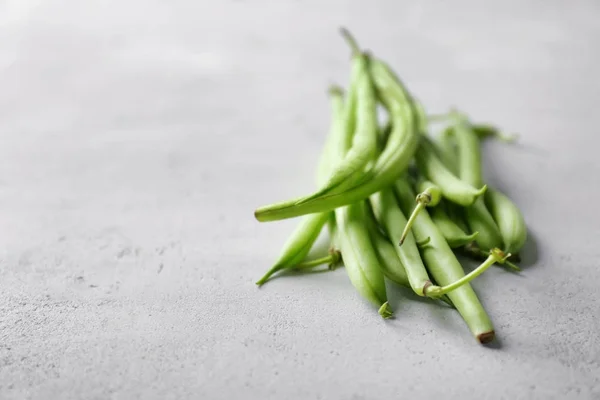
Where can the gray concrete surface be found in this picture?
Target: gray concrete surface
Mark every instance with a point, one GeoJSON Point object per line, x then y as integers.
{"type": "Point", "coordinates": [137, 137]}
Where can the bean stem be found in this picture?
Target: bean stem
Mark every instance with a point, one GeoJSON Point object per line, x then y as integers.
{"type": "Point", "coordinates": [423, 200]}
{"type": "Point", "coordinates": [332, 259]}
{"type": "Point", "coordinates": [495, 256]}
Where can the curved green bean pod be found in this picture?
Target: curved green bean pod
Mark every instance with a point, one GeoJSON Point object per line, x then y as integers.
{"type": "Point", "coordinates": [364, 140]}
{"type": "Point", "coordinates": [454, 235]}
{"type": "Point", "coordinates": [452, 187]}
{"type": "Point", "coordinates": [362, 264]}
{"type": "Point", "coordinates": [445, 269]}
{"type": "Point", "coordinates": [391, 219]}
{"type": "Point", "coordinates": [509, 219]}
{"type": "Point", "coordinates": [477, 215]}
{"type": "Point", "coordinates": [388, 258]}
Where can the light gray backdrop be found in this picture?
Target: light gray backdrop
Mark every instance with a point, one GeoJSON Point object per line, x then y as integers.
{"type": "Point", "coordinates": [137, 137]}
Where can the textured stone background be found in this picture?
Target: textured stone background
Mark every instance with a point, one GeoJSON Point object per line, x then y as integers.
{"type": "Point", "coordinates": [137, 137]}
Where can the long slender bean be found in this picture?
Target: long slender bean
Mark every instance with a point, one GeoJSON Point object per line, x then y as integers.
{"type": "Point", "coordinates": [454, 235]}
{"type": "Point", "coordinates": [388, 258]}
{"type": "Point", "coordinates": [445, 269]}
{"type": "Point", "coordinates": [478, 217]}
{"type": "Point", "coordinates": [363, 147]}
{"type": "Point", "coordinates": [392, 220]}
{"type": "Point", "coordinates": [452, 187]}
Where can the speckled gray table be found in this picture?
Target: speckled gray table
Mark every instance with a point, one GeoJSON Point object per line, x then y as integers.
{"type": "Point", "coordinates": [137, 137]}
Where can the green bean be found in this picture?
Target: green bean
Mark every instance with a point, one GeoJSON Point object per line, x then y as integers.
{"type": "Point", "coordinates": [446, 150]}
{"type": "Point", "coordinates": [457, 215]}
{"type": "Point", "coordinates": [391, 163]}
{"type": "Point", "coordinates": [478, 217]}
{"type": "Point", "coordinates": [391, 219]}
{"type": "Point", "coordinates": [430, 196]}
{"type": "Point", "coordinates": [445, 269]}
{"type": "Point", "coordinates": [364, 140]}
{"type": "Point", "coordinates": [359, 256]}
{"type": "Point", "coordinates": [453, 188]}
{"type": "Point", "coordinates": [454, 235]}
{"type": "Point", "coordinates": [509, 219]}
{"type": "Point", "coordinates": [388, 258]}
{"type": "Point", "coordinates": [298, 245]}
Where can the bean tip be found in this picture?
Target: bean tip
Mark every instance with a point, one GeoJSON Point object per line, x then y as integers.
{"type": "Point", "coordinates": [386, 311]}
{"type": "Point", "coordinates": [335, 90]}
{"type": "Point", "coordinates": [350, 40]}
{"type": "Point", "coordinates": [481, 191]}
{"type": "Point", "coordinates": [486, 337]}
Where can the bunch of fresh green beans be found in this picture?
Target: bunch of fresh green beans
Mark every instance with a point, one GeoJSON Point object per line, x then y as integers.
{"type": "Point", "coordinates": [368, 179]}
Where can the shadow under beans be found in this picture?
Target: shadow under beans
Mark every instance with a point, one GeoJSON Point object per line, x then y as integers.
{"type": "Point", "coordinates": [529, 253]}
{"type": "Point", "coordinates": [495, 344]}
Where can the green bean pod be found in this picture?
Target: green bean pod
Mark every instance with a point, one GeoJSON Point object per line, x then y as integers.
{"type": "Point", "coordinates": [388, 258]}
{"type": "Point", "coordinates": [364, 140]}
{"type": "Point", "coordinates": [392, 220]}
{"type": "Point", "coordinates": [389, 261]}
{"type": "Point", "coordinates": [446, 150]}
{"type": "Point", "coordinates": [454, 235]}
{"type": "Point", "coordinates": [445, 268]}
{"type": "Point", "coordinates": [509, 219]}
{"type": "Point", "coordinates": [298, 245]}
{"type": "Point", "coordinates": [391, 163]}
{"type": "Point", "coordinates": [457, 215]}
{"type": "Point", "coordinates": [452, 187]}
{"type": "Point", "coordinates": [360, 259]}
{"type": "Point", "coordinates": [478, 217]}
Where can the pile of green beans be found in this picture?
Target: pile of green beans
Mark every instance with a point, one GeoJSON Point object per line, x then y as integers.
{"type": "Point", "coordinates": [400, 203]}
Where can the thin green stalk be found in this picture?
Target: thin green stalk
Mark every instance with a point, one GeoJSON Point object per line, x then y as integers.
{"type": "Point", "coordinates": [332, 260]}
{"type": "Point", "coordinates": [496, 256]}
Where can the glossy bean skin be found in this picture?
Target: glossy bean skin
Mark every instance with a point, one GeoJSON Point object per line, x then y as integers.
{"type": "Point", "coordinates": [446, 150]}
{"type": "Point", "coordinates": [391, 163]}
{"type": "Point", "coordinates": [446, 269]}
{"type": "Point", "coordinates": [457, 215]}
{"type": "Point", "coordinates": [388, 258]}
{"type": "Point", "coordinates": [452, 187]}
{"type": "Point", "coordinates": [454, 235]}
{"type": "Point", "coordinates": [350, 233]}
{"type": "Point", "coordinates": [386, 253]}
{"type": "Point", "coordinates": [391, 218]}
{"type": "Point", "coordinates": [477, 215]}
{"type": "Point", "coordinates": [509, 219]}
{"type": "Point", "coordinates": [362, 116]}
{"type": "Point", "coordinates": [360, 259]}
